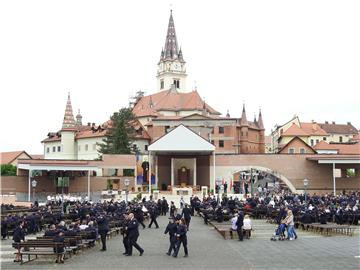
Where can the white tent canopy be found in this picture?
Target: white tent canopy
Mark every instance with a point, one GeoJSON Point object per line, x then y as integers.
{"type": "Point", "coordinates": [181, 139]}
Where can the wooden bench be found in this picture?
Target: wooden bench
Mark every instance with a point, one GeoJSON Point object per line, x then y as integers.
{"type": "Point", "coordinates": [36, 248]}
{"type": "Point", "coordinates": [327, 229]}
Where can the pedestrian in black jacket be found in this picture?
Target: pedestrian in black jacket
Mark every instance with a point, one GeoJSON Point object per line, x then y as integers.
{"type": "Point", "coordinates": [133, 234]}
{"type": "Point", "coordinates": [239, 225]}
{"type": "Point", "coordinates": [103, 228]}
{"type": "Point", "coordinates": [19, 236]}
{"type": "Point", "coordinates": [153, 216]}
{"type": "Point", "coordinates": [171, 229]}
{"type": "Point", "coordinates": [186, 214]}
{"type": "Point", "coordinates": [181, 238]}
{"type": "Point", "coordinates": [59, 247]}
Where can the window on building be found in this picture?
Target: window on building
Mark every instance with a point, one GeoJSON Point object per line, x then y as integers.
{"type": "Point", "coordinates": [324, 138]}
{"type": "Point", "coordinates": [302, 150]}
{"type": "Point", "coordinates": [340, 139]}
{"type": "Point", "coordinates": [59, 148]}
{"type": "Point", "coordinates": [47, 149]}
{"type": "Point", "coordinates": [212, 142]}
{"type": "Point", "coordinates": [167, 129]}
{"type": "Point", "coordinates": [221, 130]}
{"type": "Point", "coordinates": [221, 143]}
{"type": "Point", "coordinates": [54, 149]}
{"type": "Point", "coordinates": [291, 151]}
{"type": "Point", "coordinates": [146, 147]}
{"type": "Point", "coordinates": [79, 147]}
{"type": "Point", "coordinates": [86, 147]}
{"type": "Point", "coordinates": [317, 141]}
{"type": "Point", "coordinates": [177, 83]}
{"type": "Point", "coordinates": [94, 146]}
{"type": "Point", "coordinates": [312, 142]}
{"type": "Point", "coordinates": [162, 84]}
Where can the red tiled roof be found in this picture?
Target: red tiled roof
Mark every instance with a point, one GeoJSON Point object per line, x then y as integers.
{"type": "Point", "coordinates": [171, 101]}
{"type": "Point", "coordinates": [305, 129]}
{"type": "Point", "coordinates": [341, 148]}
{"type": "Point", "coordinates": [88, 132]}
{"type": "Point", "coordinates": [339, 128]}
{"type": "Point", "coordinates": [313, 129]}
{"type": "Point", "coordinates": [8, 157]}
{"type": "Point", "coordinates": [294, 130]}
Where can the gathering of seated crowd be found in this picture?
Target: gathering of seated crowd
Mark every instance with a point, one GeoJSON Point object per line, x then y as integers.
{"type": "Point", "coordinates": [90, 221]}
{"type": "Point", "coordinates": [341, 209]}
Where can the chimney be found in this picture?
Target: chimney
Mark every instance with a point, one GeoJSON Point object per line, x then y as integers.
{"type": "Point", "coordinates": [93, 124]}
{"type": "Point", "coordinates": [88, 124]}
{"type": "Point", "coordinates": [326, 122]}
{"type": "Point", "coordinates": [333, 122]}
{"type": "Point", "coordinates": [349, 123]}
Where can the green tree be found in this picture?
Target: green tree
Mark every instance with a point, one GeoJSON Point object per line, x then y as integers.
{"type": "Point", "coordinates": [119, 136]}
{"type": "Point", "coordinates": [8, 170]}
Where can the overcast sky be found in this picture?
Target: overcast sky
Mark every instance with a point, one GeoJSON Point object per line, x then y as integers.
{"type": "Point", "coordinates": [287, 57]}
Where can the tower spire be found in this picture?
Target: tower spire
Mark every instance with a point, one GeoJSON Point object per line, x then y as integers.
{"type": "Point", "coordinates": [260, 120]}
{"type": "Point", "coordinates": [171, 50]}
{"type": "Point", "coordinates": [243, 117]}
{"type": "Point", "coordinates": [69, 121]}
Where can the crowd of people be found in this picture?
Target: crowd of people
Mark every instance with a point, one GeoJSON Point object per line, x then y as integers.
{"type": "Point", "coordinates": [95, 219]}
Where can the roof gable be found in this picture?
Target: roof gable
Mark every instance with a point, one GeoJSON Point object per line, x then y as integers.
{"type": "Point", "coordinates": [181, 139]}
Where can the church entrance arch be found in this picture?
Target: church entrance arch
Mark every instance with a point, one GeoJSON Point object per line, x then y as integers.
{"type": "Point", "coordinates": [261, 173]}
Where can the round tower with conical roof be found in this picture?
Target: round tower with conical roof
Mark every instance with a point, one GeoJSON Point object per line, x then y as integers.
{"type": "Point", "coordinates": [68, 132]}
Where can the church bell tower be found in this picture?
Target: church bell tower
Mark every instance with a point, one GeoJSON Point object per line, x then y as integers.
{"type": "Point", "coordinates": [171, 67]}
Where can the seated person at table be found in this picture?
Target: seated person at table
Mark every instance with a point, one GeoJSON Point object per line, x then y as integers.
{"type": "Point", "coordinates": [52, 231]}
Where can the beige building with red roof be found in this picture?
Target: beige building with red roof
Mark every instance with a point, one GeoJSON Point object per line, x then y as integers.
{"type": "Point", "coordinates": [311, 133]}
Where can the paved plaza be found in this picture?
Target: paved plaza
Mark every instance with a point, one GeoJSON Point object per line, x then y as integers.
{"type": "Point", "coordinates": [208, 250]}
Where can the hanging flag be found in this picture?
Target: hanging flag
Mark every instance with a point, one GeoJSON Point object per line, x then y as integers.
{"type": "Point", "coordinates": [231, 183]}
{"type": "Point", "coordinates": [223, 181]}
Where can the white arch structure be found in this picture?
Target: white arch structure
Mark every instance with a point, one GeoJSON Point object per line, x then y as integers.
{"type": "Point", "coordinates": [267, 170]}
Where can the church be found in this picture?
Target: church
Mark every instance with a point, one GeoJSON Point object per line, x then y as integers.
{"type": "Point", "coordinates": [171, 105]}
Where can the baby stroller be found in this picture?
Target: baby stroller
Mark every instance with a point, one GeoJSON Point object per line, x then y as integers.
{"type": "Point", "coordinates": [279, 232]}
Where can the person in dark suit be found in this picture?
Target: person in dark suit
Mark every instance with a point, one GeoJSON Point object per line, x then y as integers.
{"type": "Point", "coordinates": [103, 228]}
{"type": "Point", "coordinates": [181, 238]}
{"type": "Point", "coordinates": [225, 187]}
{"type": "Point", "coordinates": [172, 209]}
{"type": "Point", "coordinates": [4, 227]}
{"type": "Point", "coordinates": [164, 206]}
{"type": "Point", "coordinates": [133, 233]}
{"type": "Point", "coordinates": [19, 236]}
{"type": "Point", "coordinates": [239, 225]}
{"type": "Point", "coordinates": [125, 234]}
{"type": "Point", "coordinates": [153, 215]}
{"type": "Point", "coordinates": [52, 231]}
{"type": "Point", "coordinates": [59, 248]}
{"type": "Point", "coordinates": [186, 214]}
{"type": "Point", "coordinates": [171, 229]}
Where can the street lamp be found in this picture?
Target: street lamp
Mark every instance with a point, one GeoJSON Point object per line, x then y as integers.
{"type": "Point", "coordinates": [33, 184]}
{"type": "Point", "coordinates": [306, 183]}
{"type": "Point", "coordinates": [126, 183]}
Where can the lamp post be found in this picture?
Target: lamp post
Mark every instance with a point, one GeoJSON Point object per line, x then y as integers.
{"type": "Point", "coordinates": [33, 184]}
{"type": "Point", "coordinates": [306, 183]}
{"type": "Point", "coordinates": [126, 183]}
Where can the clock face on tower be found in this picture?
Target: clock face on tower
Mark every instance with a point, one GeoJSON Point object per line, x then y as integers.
{"type": "Point", "coordinates": [176, 66]}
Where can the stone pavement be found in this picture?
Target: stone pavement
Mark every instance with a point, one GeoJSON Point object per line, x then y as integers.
{"type": "Point", "coordinates": [208, 250]}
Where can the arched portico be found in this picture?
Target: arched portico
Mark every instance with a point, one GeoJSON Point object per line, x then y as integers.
{"type": "Point", "coordinates": [283, 178]}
